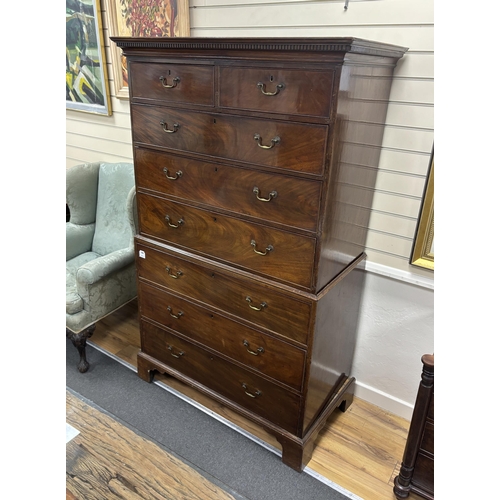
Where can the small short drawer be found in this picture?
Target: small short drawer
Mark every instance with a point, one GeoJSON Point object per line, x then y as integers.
{"type": "Point", "coordinates": [265, 250]}
{"type": "Point", "coordinates": [247, 299]}
{"type": "Point", "coordinates": [172, 83]}
{"type": "Point", "coordinates": [246, 389]}
{"type": "Point", "coordinates": [280, 144]}
{"type": "Point", "coordinates": [250, 347]}
{"type": "Point", "coordinates": [273, 197]}
{"type": "Point", "coordinates": [277, 90]}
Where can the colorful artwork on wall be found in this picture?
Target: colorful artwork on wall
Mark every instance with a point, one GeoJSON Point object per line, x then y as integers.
{"type": "Point", "coordinates": [86, 74]}
{"type": "Point", "coordinates": [143, 18]}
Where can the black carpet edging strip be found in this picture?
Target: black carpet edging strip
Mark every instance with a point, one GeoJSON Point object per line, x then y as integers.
{"type": "Point", "coordinates": [214, 447]}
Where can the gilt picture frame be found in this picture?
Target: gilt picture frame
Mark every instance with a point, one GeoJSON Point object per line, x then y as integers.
{"type": "Point", "coordinates": [423, 246]}
{"type": "Point", "coordinates": [87, 85]}
{"type": "Point", "coordinates": [143, 18]}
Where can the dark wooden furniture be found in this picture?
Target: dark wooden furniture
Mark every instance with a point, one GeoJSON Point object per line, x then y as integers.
{"type": "Point", "coordinates": [251, 248]}
{"type": "Point", "coordinates": [417, 468]}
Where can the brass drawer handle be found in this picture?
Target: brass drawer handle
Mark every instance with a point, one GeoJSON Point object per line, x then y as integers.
{"type": "Point", "coordinates": [257, 392]}
{"type": "Point", "coordinates": [260, 350]}
{"type": "Point", "coordinates": [179, 222]}
{"type": "Point", "coordinates": [262, 87]}
{"type": "Point", "coordinates": [177, 275]}
{"type": "Point", "coordinates": [177, 174]}
{"type": "Point", "coordinates": [269, 248]}
{"type": "Point", "coordinates": [262, 305]}
{"type": "Point", "coordinates": [272, 194]}
{"type": "Point", "coordinates": [176, 316]}
{"type": "Point", "coordinates": [167, 130]}
{"type": "Point", "coordinates": [274, 141]}
{"type": "Point", "coordinates": [175, 81]}
{"type": "Point", "coordinates": [171, 349]}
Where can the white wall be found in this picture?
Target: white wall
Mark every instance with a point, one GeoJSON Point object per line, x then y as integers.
{"type": "Point", "coordinates": [396, 326]}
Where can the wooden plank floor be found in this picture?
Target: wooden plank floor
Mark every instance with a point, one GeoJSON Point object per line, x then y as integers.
{"type": "Point", "coordinates": [360, 449]}
{"type": "Point", "coordinates": [108, 461]}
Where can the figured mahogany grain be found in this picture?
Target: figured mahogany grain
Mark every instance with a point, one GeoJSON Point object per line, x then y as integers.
{"type": "Point", "coordinates": [195, 84]}
{"type": "Point", "coordinates": [296, 203]}
{"type": "Point", "coordinates": [304, 92]}
{"type": "Point", "coordinates": [325, 125]}
{"type": "Point", "coordinates": [229, 239]}
{"type": "Point", "coordinates": [285, 315]}
{"type": "Point", "coordinates": [247, 389]}
{"type": "Point", "coordinates": [278, 360]}
{"type": "Point", "coordinates": [301, 147]}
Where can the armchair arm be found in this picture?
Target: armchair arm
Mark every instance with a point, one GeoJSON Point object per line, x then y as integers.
{"type": "Point", "coordinates": [78, 239]}
{"type": "Point", "coordinates": [101, 267]}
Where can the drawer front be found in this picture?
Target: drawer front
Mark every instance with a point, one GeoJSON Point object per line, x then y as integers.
{"type": "Point", "coordinates": [251, 301]}
{"type": "Point", "coordinates": [277, 90]}
{"type": "Point", "coordinates": [423, 473]}
{"type": "Point", "coordinates": [301, 147]}
{"type": "Point", "coordinates": [272, 197]}
{"type": "Point", "coordinates": [427, 443]}
{"type": "Point", "coordinates": [430, 412]}
{"type": "Point", "coordinates": [250, 347]}
{"type": "Point", "coordinates": [284, 256]}
{"type": "Point", "coordinates": [246, 389]}
{"type": "Point", "coordinates": [172, 83]}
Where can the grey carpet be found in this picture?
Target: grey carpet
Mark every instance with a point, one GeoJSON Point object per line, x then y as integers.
{"type": "Point", "coordinates": [232, 461]}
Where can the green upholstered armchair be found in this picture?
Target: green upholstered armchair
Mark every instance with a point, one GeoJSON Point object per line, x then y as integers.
{"type": "Point", "coordinates": [100, 267]}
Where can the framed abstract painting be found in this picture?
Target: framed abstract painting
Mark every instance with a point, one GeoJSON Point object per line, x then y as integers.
{"type": "Point", "coordinates": [87, 87]}
{"type": "Point", "coordinates": [142, 18]}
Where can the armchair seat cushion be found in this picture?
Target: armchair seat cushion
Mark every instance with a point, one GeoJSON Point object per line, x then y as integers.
{"type": "Point", "coordinates": [74, 302]}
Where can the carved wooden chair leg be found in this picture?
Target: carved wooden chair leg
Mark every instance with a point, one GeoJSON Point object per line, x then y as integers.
{"type": "Point", "coordinates": [79, 340]}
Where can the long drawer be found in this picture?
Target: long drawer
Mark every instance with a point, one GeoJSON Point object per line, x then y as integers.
{"type": "Point", "coordinates": [249, 346]}
{"type": "Point", "coordinates": [241, 386]}
{"type": "Point", "coordinates": [272, 197]}
{"type": "Point", "coordinates": [265, 250]}
{"type": "Point", "coordinates": [246, 299]}
{"type": "Point", "coordinates": [277, 90]}
{"type": "Point", "coordinates": [285, 145]}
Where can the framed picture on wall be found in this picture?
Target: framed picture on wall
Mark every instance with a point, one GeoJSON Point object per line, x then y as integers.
{"type": "Point", "coordinates": [142, 18]}
{"type": "Point", "coordinates": [423, 245]}
{"type": "Point", "coordinates": [87, 87]}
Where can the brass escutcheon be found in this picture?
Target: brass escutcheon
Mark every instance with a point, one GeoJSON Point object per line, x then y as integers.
{"type": "Point", "coordinates": [259, 350]}
{"type": "Point", "coordinates": [256, 394]}
{"type": "Point", "coordinates": [176, 316]}
{"type": "Point", "coordinates": [274, 141]}
{"type": "Point", "coordinates": [167, 130]}
{"type": "Point", "coordinates": [175, 276]}
{"type": "Point", "coordinates": [179, 222]}
{"type": "Point", "coordinates": [262, 87]}
{"type": "Point", "coordinates": [255, 308]}
{"type": "Point", "coordinates": [168, 176]}
{"type": "Point", "coordinates": [268, 249]}
{"type": "Point", "coordinates": [272, 194]}
{"type": "Point", "coordinates": [175, 81]}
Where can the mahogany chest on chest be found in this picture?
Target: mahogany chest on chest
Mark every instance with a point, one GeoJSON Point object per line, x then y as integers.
{"type": "Point", "coordinates": [255, 164]}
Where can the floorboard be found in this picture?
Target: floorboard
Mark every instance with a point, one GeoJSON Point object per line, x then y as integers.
{"type": "Point", "coordinates": [108, 461]}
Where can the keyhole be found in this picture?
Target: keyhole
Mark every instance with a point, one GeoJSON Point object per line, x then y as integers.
{"type": "Point", "coordinates": [215, 120]}
{"type": "Point", "coordinates": [216, 169]}
{"type": "Point", "coordinates": [169, 72]}
{"type": "Point", "coordinates": [271, 78]}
